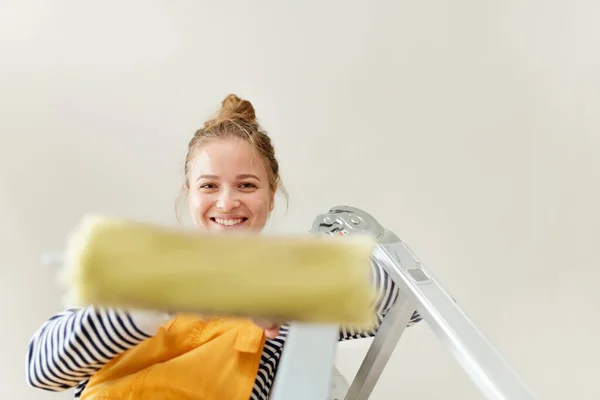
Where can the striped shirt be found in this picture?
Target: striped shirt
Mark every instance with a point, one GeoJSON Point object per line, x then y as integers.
{"type": "Point", "coordinates": [72, 345]}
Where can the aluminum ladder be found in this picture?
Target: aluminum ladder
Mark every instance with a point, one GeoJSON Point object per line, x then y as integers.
{"type": "Point", "coordinates": [305, 371]}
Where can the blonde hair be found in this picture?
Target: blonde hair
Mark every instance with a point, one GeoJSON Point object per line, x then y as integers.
{"type": "Point", "coordinates": [236, 119]}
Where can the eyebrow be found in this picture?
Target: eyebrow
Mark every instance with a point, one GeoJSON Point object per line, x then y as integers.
{"type": "Point", "coordinates": [241, 176]}
{"type": "Point", "coordinates": [207, 177]}
{"type": "Point", "coordinates": [248, 176]}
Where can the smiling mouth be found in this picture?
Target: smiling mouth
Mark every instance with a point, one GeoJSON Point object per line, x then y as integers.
{"type": "Point", "coordinates": [229, 221]}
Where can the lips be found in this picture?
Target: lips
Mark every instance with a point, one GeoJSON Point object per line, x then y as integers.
{"type": "Point", "coordinates": [229, 221]}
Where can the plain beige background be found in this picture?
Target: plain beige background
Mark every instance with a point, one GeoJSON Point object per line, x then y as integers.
{"type": "Point", "coordinates": [470, 128]}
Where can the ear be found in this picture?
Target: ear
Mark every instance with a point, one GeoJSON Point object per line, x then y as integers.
{"type": "Point", "coordinates": [272, 201]}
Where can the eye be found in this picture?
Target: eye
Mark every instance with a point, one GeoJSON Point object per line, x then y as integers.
{"type": "Point", "coordinates": [247, 185]}
{"type": "Point", "coordinates": [207, 186]}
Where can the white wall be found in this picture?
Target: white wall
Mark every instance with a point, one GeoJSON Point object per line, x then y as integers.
{"type": "Point", "coordinates": [470, 128]}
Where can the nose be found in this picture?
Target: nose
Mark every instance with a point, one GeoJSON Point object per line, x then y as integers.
{"type": "Point", "coordinates": [227, 201]}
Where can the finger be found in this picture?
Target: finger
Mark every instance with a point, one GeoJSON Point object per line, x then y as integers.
{"type": "Point", "coordinates": [272, 333]}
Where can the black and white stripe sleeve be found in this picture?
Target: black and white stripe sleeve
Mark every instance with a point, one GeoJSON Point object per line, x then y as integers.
{"type": "Point", "coordinates": [72, 345]}
{"type": "Point", "coordinates": [387, 293]}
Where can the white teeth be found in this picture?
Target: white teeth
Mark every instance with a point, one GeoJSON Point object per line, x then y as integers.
{"type": "Point", "coordinates": [229, 222]}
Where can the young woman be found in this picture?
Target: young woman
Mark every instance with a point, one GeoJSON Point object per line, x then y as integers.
{"type": "Point", "coordinates": [231, 177]}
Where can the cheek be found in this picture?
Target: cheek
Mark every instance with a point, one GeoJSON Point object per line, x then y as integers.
{"type": "Point", "coordinates": [198, 205]}
{"type": "Point", "coordinates": [260, 207]}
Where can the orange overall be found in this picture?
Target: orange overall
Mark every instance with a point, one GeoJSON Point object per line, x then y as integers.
{"type": "Point", "coordinates": [189, 358]}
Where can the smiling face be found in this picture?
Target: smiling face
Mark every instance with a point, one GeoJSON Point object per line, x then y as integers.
{"type": "Point", "coordinates": [228, 187]}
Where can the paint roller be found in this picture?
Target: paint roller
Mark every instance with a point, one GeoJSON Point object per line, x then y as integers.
{"type": "Point", "coordinates": [303, 277]}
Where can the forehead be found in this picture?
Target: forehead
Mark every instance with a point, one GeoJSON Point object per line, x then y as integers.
{"type": "Point", "coordinates": [226, 157]}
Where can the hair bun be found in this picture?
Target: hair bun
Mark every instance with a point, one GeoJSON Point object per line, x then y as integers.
{"type": "Point", "coordinates": [234, 108]}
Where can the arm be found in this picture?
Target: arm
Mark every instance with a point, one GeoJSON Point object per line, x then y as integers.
{"type": "Point", "coordinates": [72, 345]}
{"type": "Point", "coordinates": [387, 293]}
